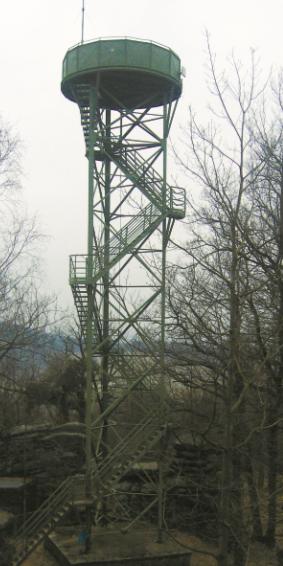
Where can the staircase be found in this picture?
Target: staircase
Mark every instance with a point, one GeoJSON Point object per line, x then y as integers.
{"type": "Point", "coordinates": [138, 170]}
{"type": "Point", "coordinates": [147, 179]}
{"type": "Point", "coordinates": [122, 242]}
{"type": "Point", "coordinates": [132, 447]}
{"type": "Point", "coordinates": [106, 474]}
{"type": "Point", "coordinates": [43, 520]}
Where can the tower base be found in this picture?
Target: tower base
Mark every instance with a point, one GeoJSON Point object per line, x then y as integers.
{"type": "Point", "coordinates": [112, 548]}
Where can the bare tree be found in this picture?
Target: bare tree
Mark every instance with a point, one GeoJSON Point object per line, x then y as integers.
{"type": "Point", "coordinates": [264, 238]}
{"type": "Point", "coordinates": [24, 312]}
{"type": "Point", "coordinates": [209, 295]}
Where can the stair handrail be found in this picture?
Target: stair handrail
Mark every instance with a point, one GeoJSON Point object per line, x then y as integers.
{"type": "Point", "coordinates": [132, 434]}
{"type": "Point", "coordinates": [150, 175]}
{"type": "Point", "coordinates": [118, 242]}
{"type": "Point", "coordinates": [46, 504]}
{"type": "Point", "coordinates": [120, 470]}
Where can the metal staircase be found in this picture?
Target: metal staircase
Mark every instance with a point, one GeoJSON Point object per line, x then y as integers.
{"type": "Point", "coordinates": [106, 474]}
{"type": "Point", "coordinates": [140, 171]}
{"type": "Point", "coordinates": [43, 521]}
{"type": "Point", "coordinates": [147, 179]}
{"type": "Point", "coordinates": [121, 243]}
{"type": "Point", "coordinates": [131, 448]}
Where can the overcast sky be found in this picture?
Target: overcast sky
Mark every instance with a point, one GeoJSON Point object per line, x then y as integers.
{"type": "Point", "coordinates": [34, 36]}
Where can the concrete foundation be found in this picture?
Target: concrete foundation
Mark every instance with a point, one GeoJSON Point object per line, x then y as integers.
{"type": "Point", "coordinates": [112, 548]}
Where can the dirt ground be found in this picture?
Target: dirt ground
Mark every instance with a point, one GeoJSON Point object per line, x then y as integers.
{"type": "Point", "coordinates": [40, 557]}
{"type": "Point", "coordinates": [259, 554]}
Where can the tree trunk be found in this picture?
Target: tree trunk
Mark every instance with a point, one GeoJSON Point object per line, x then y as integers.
{"type": "Point", "coordinates": [257, 532]}
{"type": "Point", "coordinates": [272, 448]}
{"type": "Point", "coordinates": [276, 395]}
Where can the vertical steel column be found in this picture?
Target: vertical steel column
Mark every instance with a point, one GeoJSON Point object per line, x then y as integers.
{"type": "Point", "coordinates": [107, 219]}
{"type": "Point", "coordinates": [89, 327]}
{"type": "Point", "coordinates": [105, 322]}
{"type": "Point", "coordinates": [164, 245]}
{"type": "Point", "coordinates": [162, 386]}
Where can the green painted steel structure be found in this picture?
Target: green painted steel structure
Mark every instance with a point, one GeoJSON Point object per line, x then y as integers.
{"type": "Point", "coordinates": [127, 91]}
{"type": "Point", "coordinates": [127, 68]}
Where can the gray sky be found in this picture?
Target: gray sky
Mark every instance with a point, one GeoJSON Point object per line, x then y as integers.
{"type": "Point", "coordinates": [34, 36]}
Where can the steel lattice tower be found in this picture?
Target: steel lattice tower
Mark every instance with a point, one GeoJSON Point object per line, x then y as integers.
{"type": "Point", "coordinates": [127, 91]}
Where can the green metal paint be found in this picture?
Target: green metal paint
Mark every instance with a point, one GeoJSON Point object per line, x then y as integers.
{"type": "Point", "coordinates": [126, 68]}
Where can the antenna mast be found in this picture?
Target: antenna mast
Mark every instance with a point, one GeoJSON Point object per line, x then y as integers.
{"type": "Point", "coordinates": [83, 20]}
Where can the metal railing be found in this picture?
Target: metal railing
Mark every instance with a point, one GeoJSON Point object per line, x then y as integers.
{"type": "Point", "coordinates": [121, 37]}
{"type": "Point", "coordinates": [145, 176]}
{"type": "Point", "coordinates": [130, 233]}
{"type": "Point", "coordinates": [47, 509]}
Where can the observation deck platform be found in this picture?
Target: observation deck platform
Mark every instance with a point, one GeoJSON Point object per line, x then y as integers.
{"type": "Point", "coordinates": [129, 73]}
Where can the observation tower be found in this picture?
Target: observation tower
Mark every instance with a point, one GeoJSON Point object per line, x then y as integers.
{"type": "Point", "coordinates": [127, 91]}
